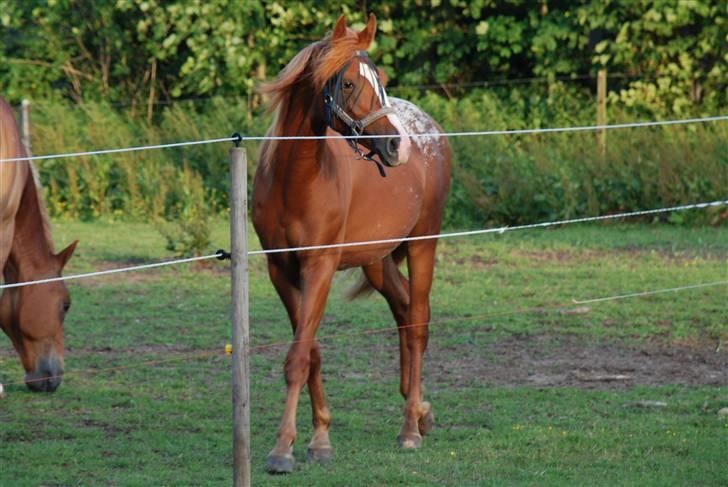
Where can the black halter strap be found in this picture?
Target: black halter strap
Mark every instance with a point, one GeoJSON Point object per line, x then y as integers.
{"type": "Point", "coordinates": [332, 98]}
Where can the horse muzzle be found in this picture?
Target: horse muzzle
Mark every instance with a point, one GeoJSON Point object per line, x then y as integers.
{"type": "Point", "coordinates": [47, 376]}
{"type": "Point", "coordinates": [392, 152]}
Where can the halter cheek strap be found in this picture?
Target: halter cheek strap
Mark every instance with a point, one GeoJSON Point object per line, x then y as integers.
{"type": "Point", "coordinates": [332, 91]}
{"type": "Point", "coordinates": [355, 126]}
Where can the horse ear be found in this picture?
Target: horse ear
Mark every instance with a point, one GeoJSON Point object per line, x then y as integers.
{"type": "Point", "coordinates": [367, 35]}
{"type": "Point", "coordinates": [339, 28]}
{"type": "Point", "coordinates": [65, 255]}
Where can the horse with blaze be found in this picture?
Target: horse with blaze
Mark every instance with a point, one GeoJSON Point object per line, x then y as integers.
{"type": "Point", "coordinates": [328, 191]}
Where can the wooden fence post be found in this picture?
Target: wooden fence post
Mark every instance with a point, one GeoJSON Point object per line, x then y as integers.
{"type": "Point", "coordinates": [241, 343]}
{"type": "Point", "coordinates": [25, 125]}
{"type": "Point", "coordinates": [602, 110]}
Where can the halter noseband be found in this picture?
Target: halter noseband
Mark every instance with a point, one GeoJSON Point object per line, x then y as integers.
{"type": "Point", "coordinates": [332, 91]}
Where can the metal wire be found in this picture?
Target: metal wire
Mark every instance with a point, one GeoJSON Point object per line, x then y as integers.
{"type": "Point", "coordinates": [323, 137]}
{"type": "Point", "coordinates": [123, 149]}
{"type": "Point", "coordinates": [582, 128]}
{"type": "Point", "coordinates": [650, 293]}
{"type": "Point", "coordinates": [498, 230]}
{"type": "Point", "coordinates": [112, 271]}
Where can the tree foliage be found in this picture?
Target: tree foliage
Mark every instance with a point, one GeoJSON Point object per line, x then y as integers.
{"type": "Point", "coordinates": [140, 51]}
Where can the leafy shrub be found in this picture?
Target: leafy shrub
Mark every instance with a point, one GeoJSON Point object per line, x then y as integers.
{"type": "Point", "coordinates": [187, 226]}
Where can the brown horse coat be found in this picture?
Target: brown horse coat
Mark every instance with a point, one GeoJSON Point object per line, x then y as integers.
{"type": "Point", "coordinates": [313, 192]}
{"type": "Point", "coordinates": [31, 316]}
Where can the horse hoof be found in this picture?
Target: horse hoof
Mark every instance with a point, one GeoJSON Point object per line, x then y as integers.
{"type": "Point", "coordinates": [410, 442]}
{"type": "Point", "coordinates": [426, 422]}
{"type": "Point", "coordinates": [320, 455]}
{"type": "Point", "coordinates": [280, 464]}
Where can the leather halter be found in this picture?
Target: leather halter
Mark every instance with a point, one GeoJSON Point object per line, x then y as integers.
{"type": "Point", "coordinates": [332, 97]}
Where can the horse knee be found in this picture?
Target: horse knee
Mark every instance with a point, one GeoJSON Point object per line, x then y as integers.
{"type": "Point", "coordinates": [315, 355]}
{"type": "Point", "coordinates": [296, 368]}
{"type": "Point", "coordinates": [417, 338]}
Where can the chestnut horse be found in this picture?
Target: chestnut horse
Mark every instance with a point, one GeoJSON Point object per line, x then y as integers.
{"type": "Point", "coordinates": [327, 191]}
{"type": "Point", "coordinates": [32, 316]}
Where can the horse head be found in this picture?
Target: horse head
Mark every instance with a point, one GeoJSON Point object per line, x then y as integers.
{"type": "Point", "coordinates": [335, 84]}
{"type": "Point", "coordinates": [32, 316]}
{"type": "Point", "coordinates": [355, 101]}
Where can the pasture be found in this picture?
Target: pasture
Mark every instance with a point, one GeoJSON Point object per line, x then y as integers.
{"type": "Point", "coordinates": [527, 387]}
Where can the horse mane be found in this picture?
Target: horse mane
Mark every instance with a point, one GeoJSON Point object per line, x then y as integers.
{"type": "Point", "coordinates": [42, 210]}
{"type": "Point", "coordinates": [12, 147]}
{"type": "Point", "coordinates": [315, 64]}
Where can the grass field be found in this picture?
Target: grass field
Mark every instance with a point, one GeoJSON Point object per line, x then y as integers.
{"type": "Point", "coordinates": [527, 387]}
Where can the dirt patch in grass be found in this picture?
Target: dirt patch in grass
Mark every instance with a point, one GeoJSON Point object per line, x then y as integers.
{"type": "Point", "coordinates": [518, 360]}
{"type": "Point", "coordinates": [680, 257]}
{"type": "Point", "coordinates": [531, 361]}
{"type": "Point", "coordinates": [570, 361]}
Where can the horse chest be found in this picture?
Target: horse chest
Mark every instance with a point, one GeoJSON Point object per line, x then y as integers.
{"type": "Point", "coordinates": [297, 214]}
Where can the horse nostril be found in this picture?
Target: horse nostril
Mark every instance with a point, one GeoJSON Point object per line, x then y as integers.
{"type": "Point", "coordinates": [53, 383]}
{"type": "Point", "coordinates": [393, 145]}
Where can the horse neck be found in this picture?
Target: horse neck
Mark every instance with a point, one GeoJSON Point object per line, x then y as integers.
{"type": "Point", "coordinates": [301, 119]}
{"type": "Point", "coordinates": [31, 254]}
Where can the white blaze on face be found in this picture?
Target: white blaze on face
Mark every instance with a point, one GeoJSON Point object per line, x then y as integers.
{"type": "Point", "coordinates": [370, 75]}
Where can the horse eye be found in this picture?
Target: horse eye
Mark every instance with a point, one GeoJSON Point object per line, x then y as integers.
{"type": "Point", "coordinates": [66, 307]}
{"type": "Point", "coordinates": [348, 85]}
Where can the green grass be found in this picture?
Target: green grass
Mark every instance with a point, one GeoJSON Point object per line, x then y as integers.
{"type": "Point", "coordinates": [170, 423]}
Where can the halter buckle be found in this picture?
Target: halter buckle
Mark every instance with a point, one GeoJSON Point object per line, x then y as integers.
{"type": "Point", "coordinates": [357, 128]}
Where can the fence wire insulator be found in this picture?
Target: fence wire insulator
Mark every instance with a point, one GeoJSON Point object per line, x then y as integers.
{"type": "Point", "coordinates": [222, 254]}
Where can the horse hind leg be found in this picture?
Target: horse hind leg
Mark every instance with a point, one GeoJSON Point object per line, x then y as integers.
{"type": "Point", "coordinates": [386, 278]}
{"type": "Point", "coordinates": [419, 418]}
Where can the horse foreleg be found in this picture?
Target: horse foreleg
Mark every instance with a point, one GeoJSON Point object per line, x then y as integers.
{"type": "Point", "coordinates": [319, 449]}
{"type": "Point", "coordinates": [418, 417]}
{"type": "Point", "coordinates": [303, 364]}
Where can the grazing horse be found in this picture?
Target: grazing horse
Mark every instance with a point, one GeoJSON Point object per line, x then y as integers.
{"type": "Point", "coordinates": [327, 191]}
{"type": "Point", "coordinates": [32, 316]}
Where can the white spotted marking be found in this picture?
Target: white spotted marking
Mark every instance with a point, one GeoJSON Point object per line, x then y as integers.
{"type": "Point", "coordinates": [416, 121]}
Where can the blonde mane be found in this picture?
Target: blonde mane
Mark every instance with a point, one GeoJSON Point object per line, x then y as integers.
{"type": "Point", "coordinates": [315, 64]}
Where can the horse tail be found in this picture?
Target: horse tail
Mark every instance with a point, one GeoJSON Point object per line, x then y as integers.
{"type": "Point", "coordinates": [362, 287]}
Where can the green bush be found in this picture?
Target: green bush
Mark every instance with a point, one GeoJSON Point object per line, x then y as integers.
{"type": "Point", "coordinates": [187, 228]}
